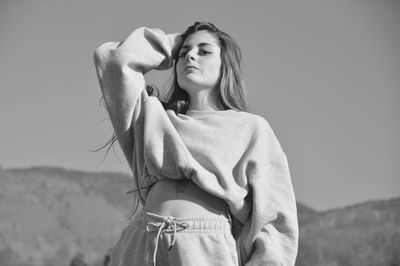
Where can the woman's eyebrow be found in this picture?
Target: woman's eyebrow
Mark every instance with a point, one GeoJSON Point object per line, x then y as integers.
{"type": "Point", "coordinates": [200, 45]}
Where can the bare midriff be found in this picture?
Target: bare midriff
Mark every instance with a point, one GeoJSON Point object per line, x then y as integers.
{"type": "Point", "coordinates": [183, 198]}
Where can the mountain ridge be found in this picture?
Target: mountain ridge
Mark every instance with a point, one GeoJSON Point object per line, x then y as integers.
{"type": "Point", "coordinates": [51, 214]}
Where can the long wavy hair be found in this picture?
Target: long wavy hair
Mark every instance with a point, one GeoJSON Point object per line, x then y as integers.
{"type": "Point", "coordinates": [232, 91]}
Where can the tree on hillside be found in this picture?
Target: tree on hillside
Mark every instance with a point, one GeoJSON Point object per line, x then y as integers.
{"type": "Point", "coordinates": [78, 260]}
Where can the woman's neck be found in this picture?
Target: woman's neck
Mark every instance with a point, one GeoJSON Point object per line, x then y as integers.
{"type": "Point", "coordinates": [205, 100]}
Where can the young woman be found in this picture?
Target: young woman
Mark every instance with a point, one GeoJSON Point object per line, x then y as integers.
{"type": "Point", "coordinates": [212, 178]}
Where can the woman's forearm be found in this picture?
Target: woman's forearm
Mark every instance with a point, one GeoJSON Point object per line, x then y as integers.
{"type": "Point", "coordinates": [145, 49]}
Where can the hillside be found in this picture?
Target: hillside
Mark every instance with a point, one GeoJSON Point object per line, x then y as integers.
{"type": "Point", "coordinates": [49, 215]}
{"type": "Point", "coordinates": [363, 234]}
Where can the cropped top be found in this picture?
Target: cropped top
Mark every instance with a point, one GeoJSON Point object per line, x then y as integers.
{"type": "Point", "coordinates": [231, 154]}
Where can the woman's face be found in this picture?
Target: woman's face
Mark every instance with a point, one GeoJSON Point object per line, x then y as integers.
{"type": "Point", "coordinates": [199, 62]}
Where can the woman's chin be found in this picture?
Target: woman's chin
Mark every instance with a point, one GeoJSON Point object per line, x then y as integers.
{"type": "Point", "coordinates": [193, 84]}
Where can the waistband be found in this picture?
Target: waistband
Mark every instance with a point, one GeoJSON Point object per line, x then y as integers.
{"type": "Point", "coordinates": [192, 224]}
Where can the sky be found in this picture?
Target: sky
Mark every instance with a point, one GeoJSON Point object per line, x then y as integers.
{"type": "Point", "coordinates": [325, 74]}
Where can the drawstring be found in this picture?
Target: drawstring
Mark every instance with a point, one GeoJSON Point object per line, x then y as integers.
{"type": "Point", "coordinates": [167, 224]}
{"type": "Point", "coordinates": [136, 190]}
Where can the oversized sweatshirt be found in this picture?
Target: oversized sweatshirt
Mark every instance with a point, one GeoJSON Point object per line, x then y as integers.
{"type": "Point", "coordinates": [231, 154]}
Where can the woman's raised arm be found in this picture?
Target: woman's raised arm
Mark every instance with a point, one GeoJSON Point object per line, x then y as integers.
{"type": "Point", "coordinates": [120, 68]}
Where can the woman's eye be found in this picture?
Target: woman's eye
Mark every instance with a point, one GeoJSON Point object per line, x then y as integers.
{"type": "Point", "coordinates": [203, 52]}
{"type": "Point", "coordinates": [200, 52]}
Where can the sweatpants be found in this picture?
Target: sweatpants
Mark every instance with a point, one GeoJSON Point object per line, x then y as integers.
{"type": "Point", "coordinates": [151, 239]}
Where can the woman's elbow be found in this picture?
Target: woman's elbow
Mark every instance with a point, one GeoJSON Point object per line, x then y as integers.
{"type": "Point", "coordinates": [106, 54]}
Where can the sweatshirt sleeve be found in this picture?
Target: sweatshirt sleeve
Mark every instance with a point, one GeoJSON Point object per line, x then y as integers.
{"type": "Point", "coordinates": [120, 68]}
{"type": "Point", "coordinates": [145, 133]}
{"type": "Point", "coordinates": [269, 236]}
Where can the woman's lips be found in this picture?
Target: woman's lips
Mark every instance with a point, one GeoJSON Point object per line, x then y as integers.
{"type": "Point", "coordinates": [189, 67]}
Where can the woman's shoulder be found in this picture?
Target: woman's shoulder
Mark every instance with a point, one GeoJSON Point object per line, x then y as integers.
{"type": "Point", "coordinates": [254, 119]}
{"type": "Point", "coordinates": [258, 125]}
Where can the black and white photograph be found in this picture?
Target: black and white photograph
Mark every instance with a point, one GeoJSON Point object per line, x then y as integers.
{"type": "Point", "coordinates": [199, 133]}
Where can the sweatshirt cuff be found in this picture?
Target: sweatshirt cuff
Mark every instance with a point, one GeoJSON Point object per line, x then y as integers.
{"type": "Point", "coordinates": [243, 212]}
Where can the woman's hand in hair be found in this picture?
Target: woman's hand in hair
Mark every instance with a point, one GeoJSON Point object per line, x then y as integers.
{"type": "Point", "coordinates": [175, 42]}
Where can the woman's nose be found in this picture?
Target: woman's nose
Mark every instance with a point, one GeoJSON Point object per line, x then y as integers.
{"type": "Point", "coordinates": [190, 55]}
